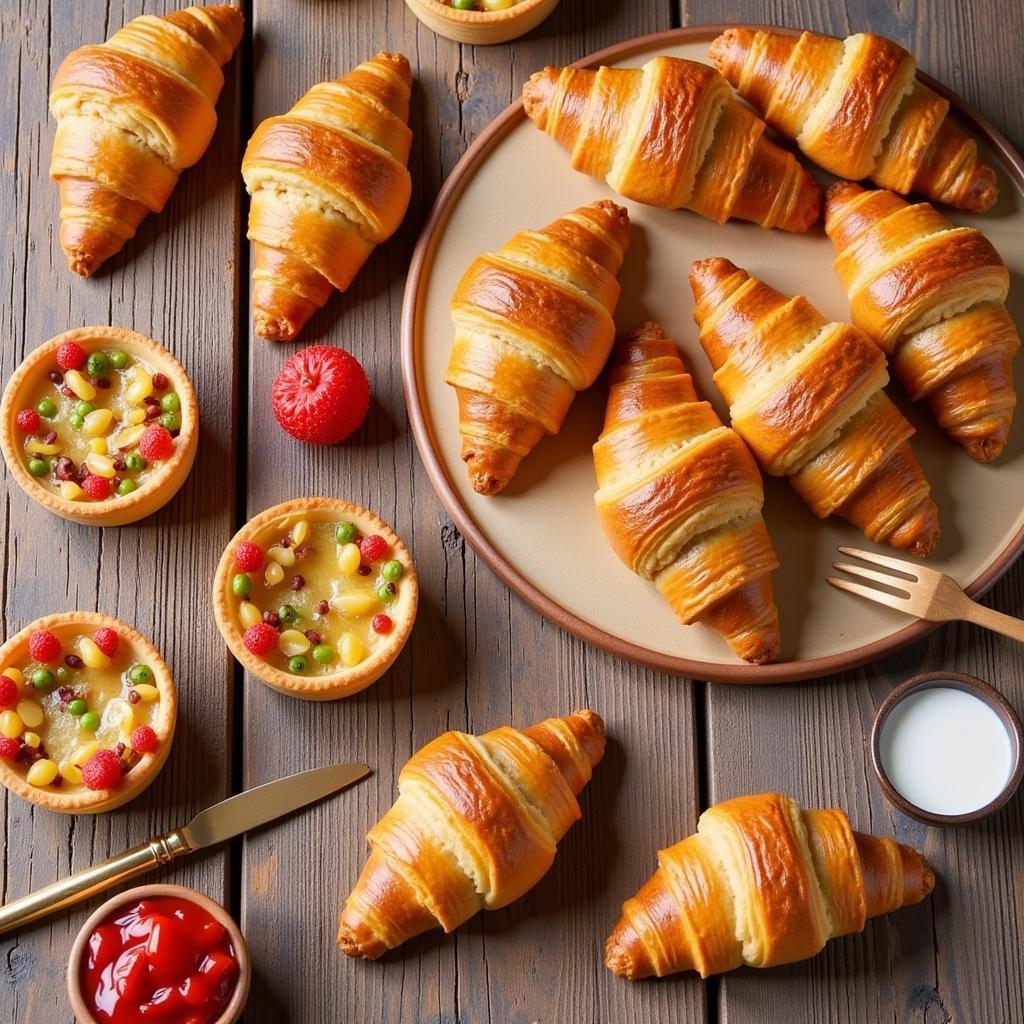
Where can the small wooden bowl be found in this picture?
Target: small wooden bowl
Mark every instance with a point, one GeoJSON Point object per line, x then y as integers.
{"type": "Point", "coordinates": [481, 28]}
{"type": "Point", "coordinates": [83, 1015]}
{"type": "Point", "coordinates": [160, 487]}
{"type": "Point", "coordinates": [976, 688]}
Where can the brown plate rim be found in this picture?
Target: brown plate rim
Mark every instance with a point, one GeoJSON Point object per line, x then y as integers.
{"type": "Point", "coordinates": [776, 672]}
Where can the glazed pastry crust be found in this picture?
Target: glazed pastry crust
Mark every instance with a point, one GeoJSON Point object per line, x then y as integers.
{"type": "Point", "coordinates": [762, 882]}
{"type": "Point", "coordinates": [671, 134]}
{"type": "Point", "coordinates": [679, 497]}
{"type": "Point", "coordinates": [475, 826]}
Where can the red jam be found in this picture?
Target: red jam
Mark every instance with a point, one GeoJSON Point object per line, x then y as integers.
{"type": "Point", "coordinates": [161, 959]}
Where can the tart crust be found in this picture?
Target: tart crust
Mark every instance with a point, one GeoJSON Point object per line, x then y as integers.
{"type": "Point", "coordinates": [87, 801]}
{"type": "Point", "coordinates": [160, 487]}
{"type": "Point", "coordinates": [346, 681]}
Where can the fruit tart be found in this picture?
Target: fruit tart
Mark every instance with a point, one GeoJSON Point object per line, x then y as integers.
{"type": "Point", "coordinates": [87, 712]}
{"type": "Point", "coordinates": [99, 425]}
{"type": "Point", "coordinates": [316, 597]}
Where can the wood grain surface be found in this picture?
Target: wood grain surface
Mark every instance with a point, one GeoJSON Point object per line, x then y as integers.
{"type": "Point", "coordinates": [478, 656]}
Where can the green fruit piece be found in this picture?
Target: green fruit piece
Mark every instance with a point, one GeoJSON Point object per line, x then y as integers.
{"type": "Point", "coordinates": [126, 487]}
{"type": "Point", "coordinates": [97, 364]}
{"type": "Point", "coordinates": [78, 707]}
{"type": "Point", "coordinates": [140, 674]}
{"type": "Point", "coordinates": [76, 422]}
{"type": "Point", "coordinates": [387, 593]}
{"type": "Point", "coordinates": [392, 570]}
{"type": "Point", "coordinates": [241, 585]}
{"type": "Point", "coordinates": [134, 461]}
{"type": "Point", "coordinates": [346, 533]}
{"type": "Point", "coordinates": [287, 614]}
{"type": "Point", "coordinates": [43, 679]}
{"type": "Point", "coordinates": [90, 721]}
{"type": "Point", "coordinates": [84, 408]}
{"type": "Point", "coordinates": [463, 5]}
{"type": "Point", "coordinates": [323, 653]}
{"type": "Point", "coordinates": [118, 359]}
{"type": "Point", "coordinates": [46, 408]}
{"type": "Point", "coordinates": [170, 421]}
{"type": "Point", "coordinates": [38, 467]}
{"type": "Point", "coordinates": [170, 402]}
{"type": "Point", "coordinates": [297, 664]}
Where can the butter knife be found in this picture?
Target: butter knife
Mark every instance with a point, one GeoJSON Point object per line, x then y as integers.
{"type": "Point", "coordinates": [216, 824]}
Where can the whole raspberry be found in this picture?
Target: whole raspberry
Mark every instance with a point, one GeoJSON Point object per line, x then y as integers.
{"type": "Point", "coordinates": [106, 639]}
{"type": "Point", "coordinates": [102, 770]}
{"type": "Point", "coordinates": [97, 488]}
{"type": "Point", "coordinates": [144, 740]}
{"type": "Point", "coordinates": [260, 639]}
{"type": "Point", "coordinates": [382, 624]}
{"type": "Point", "coordinates": [9, 749]}
{"type": "Point", "coordinates": [156, 443]}
{"type": "Point", "coordinates": [43, 646]}
{"type": "Point", "coordinates": [70, 356]}
{"type": "Point", "coordinates": [8, 692]}
{"type": "Point", "coordinates": [28, 421]}
{"type": "Point", "coordinates": [248, 556]}
{"type": "Point", "coordinates": [321, 395]}
{"type": "Point", "coordinates": [373, 548]}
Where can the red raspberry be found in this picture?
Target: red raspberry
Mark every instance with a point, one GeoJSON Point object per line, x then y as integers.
{"type": "Point", "coordinates": [373, 548]}
{"type": "Point", "coordinates": [144, 739]}
{"type": "Point", "coordinates": [71, 356]}
{"type": "Point", "coordinates": [102, 770]}
{"type": "Point", "coordinates": [43, 646]}
{"type": "Point", "coordinates": [260, 639]}
{"type": "Point", "coordinates": [8, 692]}
{"type": "Point", "coordinates": [321, 395]}
{"type": "Point", "coordinates": [28, 421]}
{"type": "Point", "coordinates": [156, 443]}
{"type": "Point", "coordinates": [9, 749]}
{"type": "Point", "coordinates": [382, 624]}
{"type": "Point", "coordinates": [248, 556]}
{"type": "Point", "coordinates": [97, 488]}
{"type": "Point", "coordinates": [106, 639]}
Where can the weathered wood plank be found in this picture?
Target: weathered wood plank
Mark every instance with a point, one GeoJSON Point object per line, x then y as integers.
{"type": "Point", "coordinates": [175, 282]}
{"type": "Point", "coordinates": [478, 657]}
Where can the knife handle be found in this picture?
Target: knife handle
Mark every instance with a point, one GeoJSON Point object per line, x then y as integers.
{"type": "Point", "coordinates": [80, 886]}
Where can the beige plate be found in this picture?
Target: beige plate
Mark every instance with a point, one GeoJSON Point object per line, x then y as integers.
{"type": "Point", "coordinates": [541, 534]}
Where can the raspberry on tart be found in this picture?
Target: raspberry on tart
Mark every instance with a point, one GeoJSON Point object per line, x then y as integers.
{"type": "Point", "coordinates": [99, 425]}
{"type": "Point", "coordinates": [316, 597]}
{"type": "Point", "coordinates": [87, 712]}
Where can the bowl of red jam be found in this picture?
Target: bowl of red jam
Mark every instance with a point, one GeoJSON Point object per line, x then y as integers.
{"type": "Point", "coordinates": [159, 953]}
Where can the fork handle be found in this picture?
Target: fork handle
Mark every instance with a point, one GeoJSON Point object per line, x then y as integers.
{"type": "Point", "coordinates": [997, 621]}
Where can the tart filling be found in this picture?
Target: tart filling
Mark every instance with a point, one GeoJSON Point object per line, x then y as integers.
{"type": "Point", "coordinates": [79, 713]}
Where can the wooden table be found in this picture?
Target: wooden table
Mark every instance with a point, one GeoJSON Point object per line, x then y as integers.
{"type": "Point", "coordinates": [478, 657]}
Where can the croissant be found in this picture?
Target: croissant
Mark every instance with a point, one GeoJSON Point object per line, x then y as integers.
{"type": "Point", "coordinates": [132, 113]}
{"type": "Point", "coordinates": [856, 107]}
{"type": "Point", "coordinates": [931, 295]}
{"type": "Point", "coordinates": [533, 325]}
{"type": "Point", "coordinates": [762, 882]}
{"type": "Point", "coordinates": [474, 826]}
{"type": "Point", "coordinates": [328, 182]}
{"type": "Point", "coordinates": [679, 497]}
{"type": "Point", "coordinates": [807, 397]}
{"type": "Point", "coordinates": [671, 134]}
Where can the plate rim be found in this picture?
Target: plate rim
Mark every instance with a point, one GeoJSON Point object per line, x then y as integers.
{"type": "Point", "coordinates": [775, 672]}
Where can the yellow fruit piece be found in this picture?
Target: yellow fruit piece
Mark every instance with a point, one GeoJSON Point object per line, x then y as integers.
{"type": "Point", "coordinates": [42, 773]}
{"type": "Point", "coordinates": [128, 437]}
{"type": "Point", "coordinates": [293, 642]}
{"type": "Point", "coordinates": [135, 416]}
{"type": "Point", "coordinates": [15, 674]}
{"type": "Point", "coordinates": [84, 752]}
{"type": "Point", "coordinates": [80, 385]}
{"type": "Point", "coordinates": [283, 556]}
{"type": "Point", "coordinates": [71, 772]}
{"type": "Point", "coordinates": [357, 604]}
{"type": "Point", "coordinates": [98, 423]}
{"type": "Point", "coordinates": [11, 724]}
{"type": "Point", "coordinates": [41, 448]}
{"type": "Point", "coordinates": [70, 491]}
{"type": "Point", "coordinates": [91, 654]}
{"type": "Point", "coordinates": [300, 531]}
{"type": "Point", "coordinates": [147, 692]}
{"type": "Point", "coordinates": [349, 558]}
{"type": "Point", "coordinates": [118, 714]}
{"type": "Point", "coordinates": [99, 445]}
{"type": "Point", "coordinates": [30, 713]}
{"type": "Point", "coordinates": [274, 574]}
{"type": "Point", "coordinates": [249, 614]}
{"type": "Point", "coordinates": [101, 465]}
{"type": "Point", "coordinates": [496, 5]}
{"type": "Point", "coordinates": [350, 649]}
{"type": "Point", "coordinates": [32, 739]}
{"type": "Point", "coordinates": [140, 385]}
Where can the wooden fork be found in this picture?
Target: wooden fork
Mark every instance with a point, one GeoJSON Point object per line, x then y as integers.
{"type": "Point", "coordinates": [916, 590]}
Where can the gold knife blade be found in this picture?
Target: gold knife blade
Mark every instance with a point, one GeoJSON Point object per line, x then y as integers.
{"type": "Point", "coordinates": [215, 824]}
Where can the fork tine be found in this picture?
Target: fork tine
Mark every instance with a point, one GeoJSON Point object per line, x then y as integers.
{"type": "Point", "coordinates": [879, 596]}
{"type": "Point", "coordinates": [911, 569]}
{"type": "Point", "coordinates": [872, 574]}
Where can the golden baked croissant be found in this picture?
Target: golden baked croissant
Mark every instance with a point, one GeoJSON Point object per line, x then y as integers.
{"type": "Point", "coordinates": [132, 113]}
{"type": "Point", "coordinates": [807, 397]}
{"type": "Point", "coordinates": [931, 295]}
{"type": "Point", "coordinates": [533, 325]}
{"type": "Point", "coordinates": [856, 107]}
{"type": "Point", "coordinates": [475, 826]}
{"type": "Point", "coordinates": [671, 134]}
{"type": "Point", "coordinates": [761, 882]}
{"type": "Point", "coordinates": [679, 496]}
{"type": "Point", "coordinates": [328, 182]}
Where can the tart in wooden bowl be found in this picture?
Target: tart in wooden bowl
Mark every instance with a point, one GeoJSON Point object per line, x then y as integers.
{"type": "Point", "coordinates": [316, 597]}
{"type": "Point", "coordinates": [481, 22]}
{"type": "Point", "coordinates": [99, 425]}
{"type": "Point", "coordinates": [87, 712]}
